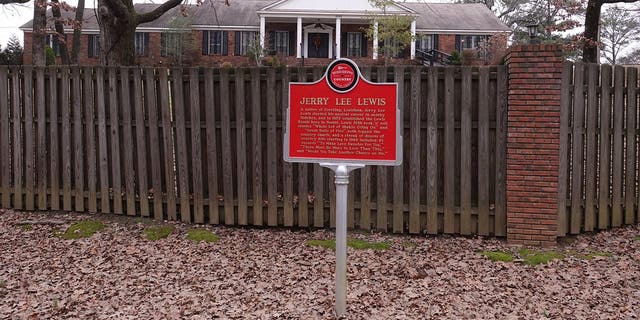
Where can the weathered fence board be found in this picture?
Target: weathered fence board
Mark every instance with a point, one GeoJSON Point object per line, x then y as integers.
{"type": "Point", "coordinates": [449, 152]}
{"type": "Point", "coordinates": [432, 150]}
{"type": "Point", "coordinates": [590, 137]}
{"type": "Point", "coordinates": [29, 140]}
{"type": "Point", "coordinates": [483, 152]}
{"type": "Point", "coordinates": [272, 152]}
{"type": "Point", "coordinates": [65, 111]}
{"type": "Point", "coordinates": [5, 160]}
{"type": "Point", "coordinates": [414, 160]}
{"type": "Point", "coordinates": [114, 161]}
{"type": "Point", "coordinates": [42, 143]}
{"type": "Point", "coordinates": [577, 150]}
{"type": "Point", "coordinates": [54, 147]}
{"type": "Point", "coordinates": [630, 146]}
{"type": "Point", "coordinates": [500, 211]}
{"type": "Point", "coordinates": [18, 160]}
{"type": "Point", "coordinates": [181, 146]}
{"type": "Point", "coordinates": [287, 168]}
{"type": "Point", "coordinates": [241, 144]}
{"type": "Point", "coordinates": [398, 171]}
{"type": "Point", "coordinates": [89, 102]}
{"type": "Point", "coordinates": [78, 137]}
{"type": "Point", "coordinates": [103, 146]}
{"type": "Point", "coordinates": [618, 140]}
{"type": "Point", "coordinates": [465, 153]}
{"type": "Point", "coordinates": [127, 149]}
{"type": "Point", "coordinates": [211, 145]}
{"type": "Point", "coordinates": [605, 148]}
{"type": "Point", "coordinates": [141, 146]}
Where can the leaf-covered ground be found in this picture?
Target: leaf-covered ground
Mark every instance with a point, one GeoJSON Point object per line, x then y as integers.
{"type": "Point", "coordinates": [273, 274]}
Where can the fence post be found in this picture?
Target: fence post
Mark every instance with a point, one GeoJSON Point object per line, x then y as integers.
{"type": "Point", "coordinates": [533, 147]}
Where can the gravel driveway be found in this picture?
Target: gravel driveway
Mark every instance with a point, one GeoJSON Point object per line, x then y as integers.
{"type": "Point", "coordinates": [274, 274]}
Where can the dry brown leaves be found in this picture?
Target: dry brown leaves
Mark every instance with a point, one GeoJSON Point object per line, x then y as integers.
{"type": "Point", "coordinates": [273, 274]}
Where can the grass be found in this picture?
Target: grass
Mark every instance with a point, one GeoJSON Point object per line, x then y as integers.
{"type": "Point", "coordinates": [26, 227]}
{"type": "Point", "coordinates": [498, 256]}
{"type": "Point", "coordinates": [80, 229]}
{"type": "Point", "coordinates": [158, 232]}
{"type": "Point", "coordinates": [199, 234]}
{"type": "Point", "coordinates": [534, 258]}
{"type": "Point", "coordinates": [357, 244]}
{"type": "Point", "coordinates": [637, 238]}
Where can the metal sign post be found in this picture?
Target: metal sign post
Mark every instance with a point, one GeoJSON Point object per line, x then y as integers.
{"type": "Point", "coordinates": [343, 122]}
{"type": "Point", "coordinates": [342, 182]}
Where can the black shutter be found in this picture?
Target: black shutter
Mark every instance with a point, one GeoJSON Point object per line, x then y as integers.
{"type": "Point", "coordinates": [458, 43]}
{"type": "Point", "coordinates": [225, 43]}
{"type": "Point", "coordinates": [436, 42]}
{"type": "Point", "coordinates": [163, 44]}
{"type": "Point", "coordinates": [343, 44]}
{"type": "Point", "coordinates": [145, 49]}
{"type": "Point", "coordinates": [292, 43]}
{"type": "Point", "coordinates": [272, 42]}
{"type": "Point", "coordinates": [90, 49]}
{"type": "Point", "coordinates": [236, 43]}
{"type": "Point", "coordinates": [363, 45]}
{"type": "Point", "coordinates": [205, 43]}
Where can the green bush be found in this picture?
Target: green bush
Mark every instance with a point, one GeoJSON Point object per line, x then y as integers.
{"type": "Point", "coordinates": [50, 56]}
{"type": "Point", "coordinates": [455, 58]}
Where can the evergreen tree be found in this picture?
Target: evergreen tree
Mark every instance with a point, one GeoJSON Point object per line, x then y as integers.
{"type": "Point", "coordinates": [13, 52]}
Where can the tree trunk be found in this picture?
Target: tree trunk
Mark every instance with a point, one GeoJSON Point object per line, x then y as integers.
{"type": "Point", "coordinates": [591, 30]}
{"type": "Point", "coordinates": [39, 30]}
{"type": "Point", "coordinates": [77, 31]}
{"type": "Point", "coordinates": [62, 45]}
{"type": "Point", "coordinates": [117, 32]}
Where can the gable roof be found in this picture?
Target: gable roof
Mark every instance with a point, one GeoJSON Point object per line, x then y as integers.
{"type": "Point", "coordinates": [443, 18]}
{"type": "Point", "coordinates": [456, 18]}
{"type": "Point", "coordinates": [351, 7]}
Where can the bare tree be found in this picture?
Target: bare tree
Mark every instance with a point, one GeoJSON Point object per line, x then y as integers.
{"type": "Point", "coordinates": [39, 31]}
{"type": "Point", "coordinates": [118, 21]}
{"type": "Point", "coordinates": [618, 28]}
{"type": "Point", "coordinates": [591, 28]}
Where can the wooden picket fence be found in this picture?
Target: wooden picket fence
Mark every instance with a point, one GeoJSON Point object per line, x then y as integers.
{"type": "Point", "coordinates": [205, 146]}
{"type": "Point", "coordinates": [598, 183]}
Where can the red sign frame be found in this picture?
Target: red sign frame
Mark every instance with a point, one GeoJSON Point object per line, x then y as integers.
{"type": "Point", "coordinates": [343, 118]}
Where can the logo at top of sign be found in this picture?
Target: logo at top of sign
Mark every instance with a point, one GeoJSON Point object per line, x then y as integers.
{"type": "Point", "coordinates": [342, 75]}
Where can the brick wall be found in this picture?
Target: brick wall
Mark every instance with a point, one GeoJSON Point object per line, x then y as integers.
{"type": "Point", "coordinates": [535, 73]}
{"type": "Point", "coordinates": [447, 43]}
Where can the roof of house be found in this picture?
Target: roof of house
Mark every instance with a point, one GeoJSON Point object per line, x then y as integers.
{"type": "Point", "coordinates": [432, 17]}
{"type": "Point", "coordinates": [456, 17]}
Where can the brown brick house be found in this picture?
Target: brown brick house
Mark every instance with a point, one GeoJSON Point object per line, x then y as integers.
{"type": "Point", "coordinates": [315, 31]}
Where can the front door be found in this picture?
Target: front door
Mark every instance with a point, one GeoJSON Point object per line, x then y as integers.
{"type": "Point", "coordinates": [318, 45]}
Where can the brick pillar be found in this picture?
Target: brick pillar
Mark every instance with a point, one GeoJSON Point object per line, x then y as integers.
{"type": "Point", "coordinates": [535, 75]}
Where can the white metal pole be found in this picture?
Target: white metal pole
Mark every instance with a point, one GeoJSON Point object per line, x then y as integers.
{"type": "Point", "coordinates": [342, 182]}
{"type": "Point", "coordinates": [299, 38]}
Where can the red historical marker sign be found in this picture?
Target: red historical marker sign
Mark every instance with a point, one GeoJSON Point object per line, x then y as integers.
{"type": "Point", "coordinates": [343, 118]}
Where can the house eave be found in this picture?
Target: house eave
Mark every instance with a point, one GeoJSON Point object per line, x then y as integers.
{"type": "Point", "coordinates": [461, 31]}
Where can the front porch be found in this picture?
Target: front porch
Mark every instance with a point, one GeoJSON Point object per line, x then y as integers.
{"type": "Point", "coordinates": [310, 31]}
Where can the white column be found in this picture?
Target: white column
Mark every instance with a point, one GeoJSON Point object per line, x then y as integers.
{"type": "Point", "coordinates": [299, 38]}
{"type": "Point", "coordinates": [375, 40]}
{"type": "Point", "coordinates": [413, 39]}
{"type": "Point", "coordinates": [262, 24]}
{"type": "Point", "coordinates": [338, 37]}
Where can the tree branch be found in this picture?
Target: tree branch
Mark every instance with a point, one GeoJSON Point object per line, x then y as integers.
{"type": "Point", "coordinates": [118, 7]}
{"type": "Point", "coordinates": [157, 12]}
{"type": "Point", "coordinates": [13, 1]}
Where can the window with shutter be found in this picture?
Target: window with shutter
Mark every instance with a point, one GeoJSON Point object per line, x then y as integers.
{"type": "Point", "coordinates": [282, 42]}
{"type": "Point", "coordinates": [354, 44]}
{"type": "Point", "coordinates": [142, 44]}
{"type": "Point", "coordinates": [94, 45]}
